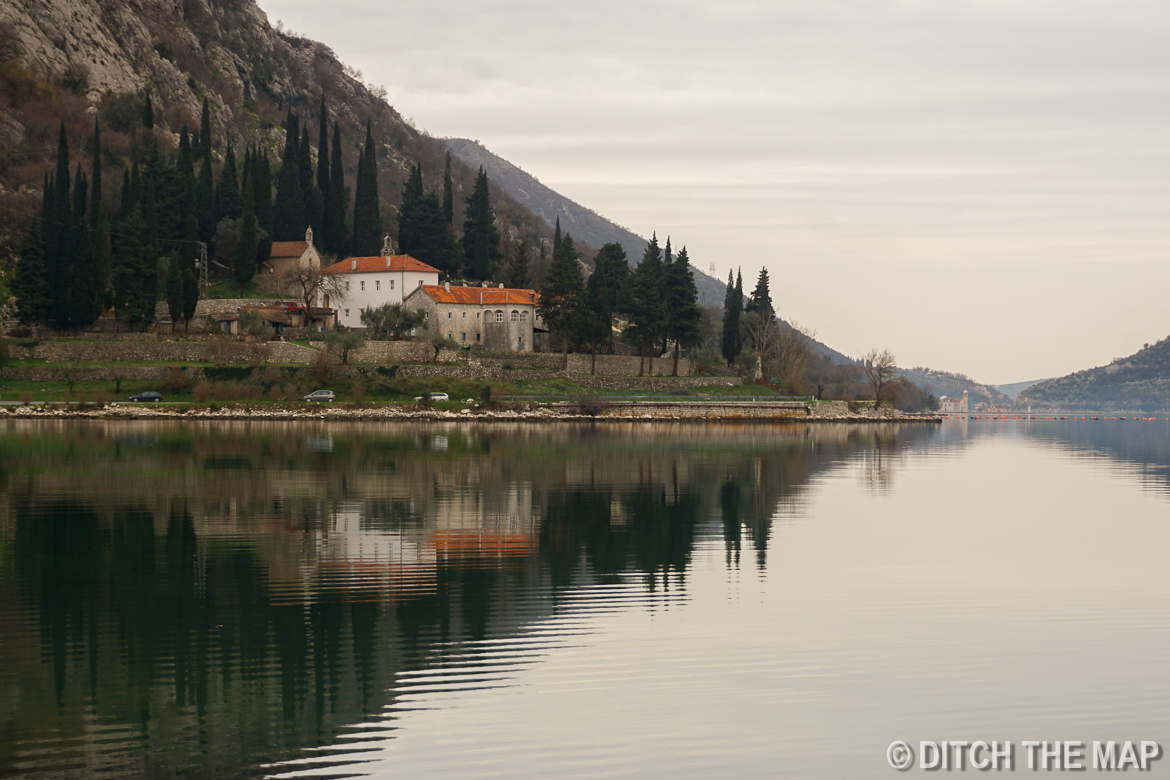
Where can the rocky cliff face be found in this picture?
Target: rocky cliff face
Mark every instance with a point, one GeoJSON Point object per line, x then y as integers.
{"type": "Point", "coordinates": [63, 59]}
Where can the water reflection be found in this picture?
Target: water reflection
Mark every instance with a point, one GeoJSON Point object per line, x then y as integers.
{"type": "Point", "coordinates": [204, 600]}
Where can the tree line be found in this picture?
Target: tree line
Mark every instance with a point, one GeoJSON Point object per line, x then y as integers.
{"type": "Point", "coordinates": [658, 299]}
{"type": "Point", "coordinates": [80, 258]}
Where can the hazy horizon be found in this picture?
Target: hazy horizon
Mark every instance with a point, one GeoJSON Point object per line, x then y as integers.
{"type": "Point", "coordinates": [980, 187]}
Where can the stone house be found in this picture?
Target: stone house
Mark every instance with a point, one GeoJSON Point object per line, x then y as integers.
{"type": "Point", "coordinates": [370, 282]}
{"type": "Point", "coordinates": [497, 319]}
{"type": "Point", "coordinates": [953, 405]}
{"type": "Point", "coordinates": [288, 256]}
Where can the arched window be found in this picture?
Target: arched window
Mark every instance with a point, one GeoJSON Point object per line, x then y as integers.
{"type": "Point", "coordinates": [499, 316]}
{"type": "Point", "coordinates": [515, 316]}
{"type": "Point", "coordinates": [524, 316]}
{"type": "Point", "coordinates": [487, 316]}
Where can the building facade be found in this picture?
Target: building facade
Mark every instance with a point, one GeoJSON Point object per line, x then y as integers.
{"type": "Point", "coordinates": [953, 405]}
{"type": "Point", "coordinates": [498, 319]}
{"type": "Point", "coordinates": [370, 282]}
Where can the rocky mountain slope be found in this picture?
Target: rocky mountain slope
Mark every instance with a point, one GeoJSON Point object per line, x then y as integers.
{"type": "Point", "coordinates": [1140, 382]}
{"type": "Point", "coordinates": [942, 383]}
{"type": "Point", "coordinates": [71, 59]}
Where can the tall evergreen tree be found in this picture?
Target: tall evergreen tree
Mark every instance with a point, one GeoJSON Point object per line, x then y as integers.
{"type": "Point", "coordinates": [761, 300]}
{"type": "Point", "coordinates": [312, 196]}
{"type": "Point", "coordinates": [124, 208]}
{"type": "Point", "coordinates": [262, 186]}
{"type": "Point", "coordinates": [732, 308]}
{"type": "Point", "coordinates": [205, 132]}
{"type": "Point", "coordinates": [517, 275]}
{"type": "Point", "coordinates": [288, 212]}
{"type": "Point", "coordinates": [228, 196]}
{"type": "Point", "coordinates": [30, 282]}
{"type": "Point", "coordinates": [174, 289]}
{"type": "Point", "coordinates": [409, 227]}
{"type": "Point", "coordinates": [617, 275]}
{"type": "Point", "coordinates": [683, 312]}
{"type": "Point", "coordinates": [93, 279]}
{"type": "Point", "coordinates": [190, 296]}
{"type": "Point", "coordinates": [245, 259]}
{"type": "Point", "coordinates": [60, 239]}
{"type": "Point", "coordinates": [481, 238]}
{"type": "Point", "coordinates": [367, 210]}
{"type": "Point", "coordinates": [335, 224]}
{"type": "Point", "coordinates": [448, 193]}
{"type": "Point", "coordinates": [147, 113]}
{"type": "Point", "coordinates": [557, 236]}
{"type": "Point", "coordinates": [205, 189]}
{"type": "Point", "coordinates": [645, 304]}
{"type": "Point", "coordinates": [562, 296]}
{"type": "Point", "coordinates": [134, 277]}
{"type": "Point", "coordinates": [598, 312]}
{"type": "Point", "coordinates": [324, 180]}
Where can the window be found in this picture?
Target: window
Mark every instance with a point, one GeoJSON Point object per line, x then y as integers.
{"type": "Point", "coordinates": [377, 284]}
{"type": "Point", "coordinates": [363, 284]}
{"type": "Point", "coordinates": [347, 286]}
{"type": "Point", "coordinates": [420, 282]}
{"type": "Point", "coordinates": [524, 316]}
{"type": "Point", "coordinates": [515, 316]}
{"type": "Point", "coordinates": [347, 312]}
{"type": "Point", "coordinates": [465, 337]}
{"type": "Point", "coordinates": [464, 315]}
{"type": "Point", "coordinates": [477, 337]}
{"type": "Point", "coordinates": [499, 316]}
{"type": "Point", "coordinates": [391, 284]}
{"type": "Point", "coordinates": [448, 315]}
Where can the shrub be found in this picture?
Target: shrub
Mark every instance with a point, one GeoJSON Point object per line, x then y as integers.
{"type": "Point", "coordinates": [122, 112]}
{"type": "Point", "coordinates": [75, 79]}
{"type": "Point", "coordinates": [590, 406]}
{"type": "Point", "coordinates": [25, 398]}
{"type": "Point", "coordinates": [203, 392]}
{"type": "Point", "coordinates": [223, 373]}
{"type": "Point", "coordinates": [175, 380]}
{"type": "Point", "coordinates": [322, 367]}
{"type": "Point", "coordinates": [275, 393]}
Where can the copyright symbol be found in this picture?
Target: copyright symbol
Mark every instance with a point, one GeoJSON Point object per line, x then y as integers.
{"type": "Point", "coordinates": [900, 755]}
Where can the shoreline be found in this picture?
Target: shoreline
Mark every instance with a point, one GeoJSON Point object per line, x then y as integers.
{"type": "Point", "coordinates": [833, 413]}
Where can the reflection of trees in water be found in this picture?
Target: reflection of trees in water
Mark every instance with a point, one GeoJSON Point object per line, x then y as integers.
{"type": "Point", "coordinates": [1144, 445]}
{"type": "Point", "coordinates": [227, 599]}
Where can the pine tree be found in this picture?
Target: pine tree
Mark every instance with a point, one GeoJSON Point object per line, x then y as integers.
{"type": "Point", "coordinates": [562, 297]}
{"type": "Point", "coordinates": [732, 308]}
{"type": "Point", "coordinates": [245, 259]}
{"type": "Point", "coordinates": [599, 312]}
{"type": "Point", "coordinates": [448, 194]}
{"type": "Point", "coordinates": [517, 275]}
{"type": "Point", "coordinates": [617, 275]}
{"type": "Point", "coordinates": [646, 305]}
{"type": "Point", "coordinates": [335, 226]}
{"type": "Point", "coordinates": [324, 181]}
{"type": "Point", "coordinates": [367, 217]}
{"type": "Point", "coordinates": [288, 212]}
{"type": "Point", "coordinates": [481, 238]}
{"type": "Point", "coordinates": [761, 300]}
{"type": "Point", "coordinates": [683, 312]}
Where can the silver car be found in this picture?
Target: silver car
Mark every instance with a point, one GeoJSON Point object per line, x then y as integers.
{"type": "Point", "coordinates": [322, 396]}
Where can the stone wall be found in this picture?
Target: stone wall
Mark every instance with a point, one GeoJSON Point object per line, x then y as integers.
{"type": "Point", "coordinates": [212, 351]}
{"type": "Point", "coordinates": [471, 373]}
{"type": "Point", "coordinates": [607, 365]}
{"type": "Point", "coordinates": [723, 410]}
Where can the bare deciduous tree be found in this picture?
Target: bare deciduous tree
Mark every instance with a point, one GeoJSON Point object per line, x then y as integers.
{"type": "Point", "coordinates": [879, 368]}
{"type": "Point", "coordinates": [784, 350]}
{"type": "Point", "coordinates": [309, 285]}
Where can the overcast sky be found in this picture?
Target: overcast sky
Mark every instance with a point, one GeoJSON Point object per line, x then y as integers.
{"type": "Point", "coordinates": [979, 186]}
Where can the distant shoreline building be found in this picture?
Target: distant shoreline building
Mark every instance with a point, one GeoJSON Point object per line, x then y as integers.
{"type": "Point", "coordinates": [953, 405]}
{"type": "Point", "coordinates": [498, 319]}
{"type": "Point", "coordinates": [371, 282]}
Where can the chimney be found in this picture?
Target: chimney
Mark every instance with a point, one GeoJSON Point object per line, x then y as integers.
{"type": "Point", "coordinates": [447, 286]}
{"type": "Point", "coordinates": [353, 263]}
{"type": "Point", "coordinates": [532, 296]}
{"type": "Point", "coordinates": [483, 284]}
{"type": "Point", "coordinates": [501, 285]}
{"type": "Point", "coordinates": [387, 261]}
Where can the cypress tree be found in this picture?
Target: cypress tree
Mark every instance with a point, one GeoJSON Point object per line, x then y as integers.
{"type": "Point", "coordinates": [245, 259]}
{"type": "Point", "coordinates": [732, 307]}
{"type": "Point", "coordinates": [409, 236]}
{"type": "Point", "coordinates": [134, 274]}
{"type": "Point", "coordinates": [481, 239]}
{"type": "Point", "coordinates": [93, 279]}
{"type": "Point", "coordinates": [147, 113]}
{"type": "Point", "coordinates": [518, 275]}
{"type": "Point", "coordinates": [358, 204]}
{"type": "Point", "coordinates": [448, 193]}
{"type": "Point", "coordinates": [561, 298]}
{"type": "Point", "coordinates": [150, 216]}
{"type": "Point", "coordinates": [682, 306]}
{"type": "Point", "coordinates": [761, 300]}
{"type": "Point", "coordinates": [367, 219]}
{"type": "Point", "coordinates": [599, 312]}
{"type": "Point", "coordinates": [30, 282]}
{"type": "Point", "coordinates": [59, 239]}
{"type": "Point", "coordinates": [557, 236]}
{"type": "Point", "coordinates": [205, 132]}
{"type": "Point", "coordinates": [312, 196]}
{"type": "Point", "coordinates": [617, 275]}
{"type": "Point", "coordinates": [174, 289]}
{"type": "Point", "coordinates": [190, 296]}
{"type": "Point", "coordinates": [124, 208]}
{"type": "Point", "coordinates": [324, 181]}
{"type": "Point", "coordinates": [262, 185]}
{"type": "Point", "coordinates": [205, 190]}
{"type": "Point", "coordinates": [228, 197]}
{"type": "Point", "coordinates": [335, 222]}
{"type": "Point", "coordinates": [288, 212]}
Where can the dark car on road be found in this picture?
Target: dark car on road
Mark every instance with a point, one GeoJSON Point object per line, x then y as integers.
{"type": "Point", "coordinates": [148, 396]}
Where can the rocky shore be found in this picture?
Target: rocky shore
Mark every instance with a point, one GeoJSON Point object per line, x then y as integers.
{"type": "Point", "coordinates": [828, 411]}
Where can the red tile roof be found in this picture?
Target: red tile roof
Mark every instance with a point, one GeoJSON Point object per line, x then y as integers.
{"type": "Point", "coordinates": [288, 248]}
{"type": "Point", "coordinates": [369, 265]}
{"type": "Point", "coordinates": [481, 296]}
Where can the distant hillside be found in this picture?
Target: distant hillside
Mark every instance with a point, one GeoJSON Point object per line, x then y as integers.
{"type": "Point", "coordinates": [942, 383]}
{"type": "Point", "coordinates": [583, 223]}
{"type": "Point", "coordinates": [1015, 388]}
{"type": "Point", "coordinates": [1140, 382]}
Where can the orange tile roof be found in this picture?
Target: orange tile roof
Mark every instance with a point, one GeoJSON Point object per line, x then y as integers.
{"type": "Point", "coordinates": [369, 265]}
{"type": "Point", "coordinates": [485, 296]}
{"type": "Point", "coordinates": [288, 248]}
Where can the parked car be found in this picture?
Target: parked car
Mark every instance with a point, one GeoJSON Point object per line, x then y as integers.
{"type": "Point", "coordinates": [432, 397]}
{"type": "Point", "coordinates": [322, 396]}
{"type": "Point", "coordinates": [148, 396]}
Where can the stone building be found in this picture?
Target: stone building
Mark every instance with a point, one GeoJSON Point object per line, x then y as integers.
{"type": "Point", "coordinates": [370, 282]}
{"type": "Point", "coordinates": [497, 319]}
{"type": "Point", "coordinates": [953, 405]}
{"type": "Point", "coordinates": [288, 256]}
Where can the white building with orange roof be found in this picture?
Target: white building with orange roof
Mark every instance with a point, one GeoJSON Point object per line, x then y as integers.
{"type": "Point", "coordinates": [370, 282]}
{"type": "Point", "coordinates": [499, 319]}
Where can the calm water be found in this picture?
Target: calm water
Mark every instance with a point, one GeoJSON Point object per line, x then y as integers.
{"type": "Point", "coordinates": [332, 600]}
